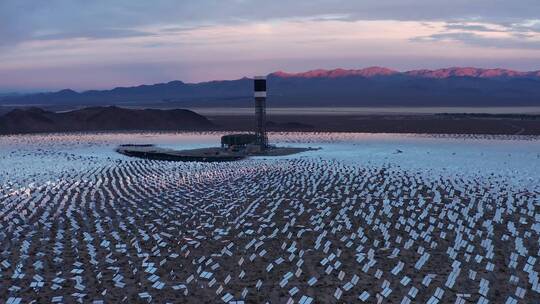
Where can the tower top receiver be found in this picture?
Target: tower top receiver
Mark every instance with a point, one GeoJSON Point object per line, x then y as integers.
{"type": "Point", "coordinates": [259, 86]}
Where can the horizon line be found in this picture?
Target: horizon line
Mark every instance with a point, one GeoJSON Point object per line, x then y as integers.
{"type": "Point", "coordinates": [280, 71]}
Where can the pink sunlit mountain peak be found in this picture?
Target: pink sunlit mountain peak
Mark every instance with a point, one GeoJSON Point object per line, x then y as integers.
{"type": "Point", "coordinates": [425, 73]}
{"type": "Point", "coordinates": [337, 73]}
{"type": "Point", "coordinates": [468, 72]}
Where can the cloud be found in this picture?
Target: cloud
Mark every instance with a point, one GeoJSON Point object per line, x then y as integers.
{"type": "Point", "coordinates": [524, 35]}
{"type": "Point", "coordinates": [95, 34]}
{"type": "Point", "coordinates": [527, 26]}
{"type": "Point", "coordinates": [23, 20]}
{"type": "Point", "coordinates": [471, 27]}
{"type": "Point", "coordinates": [510, 42]}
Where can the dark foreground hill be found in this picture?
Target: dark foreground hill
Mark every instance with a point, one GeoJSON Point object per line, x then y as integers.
{"type": "Point", "coordinates": [34, 120]}
{"type": "Point", "coordinates": [323, 88]}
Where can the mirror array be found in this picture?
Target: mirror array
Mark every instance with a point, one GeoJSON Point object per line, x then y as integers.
{"type": "Point", "coordinates": [301, 230]}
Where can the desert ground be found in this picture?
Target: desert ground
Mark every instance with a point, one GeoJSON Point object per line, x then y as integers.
{"type": "Point", "coordinates": [487, 121]}
{"type": "Point", "coordinates": [368, 218]}
{"type": "Point", "coordinates": [429, 123]}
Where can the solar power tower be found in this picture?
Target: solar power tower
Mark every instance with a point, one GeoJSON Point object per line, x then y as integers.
{"type": "Point", "coordinates": [260, 111]}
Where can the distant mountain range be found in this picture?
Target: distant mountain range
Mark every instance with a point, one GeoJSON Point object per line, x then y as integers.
{"type": "Point", "coordinates": [438, 74]}
{"type": "Point", "coordinates": [34, 120]}
{"type": "Point", "coordinates": [374, 86]}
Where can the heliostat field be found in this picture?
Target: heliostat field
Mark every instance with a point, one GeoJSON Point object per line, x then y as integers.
{"type": "Point", "coordinates": [369, 218]}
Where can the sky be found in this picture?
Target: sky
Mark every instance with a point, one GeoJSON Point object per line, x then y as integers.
{"type": "Point", "coordinates": [101, 44]}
